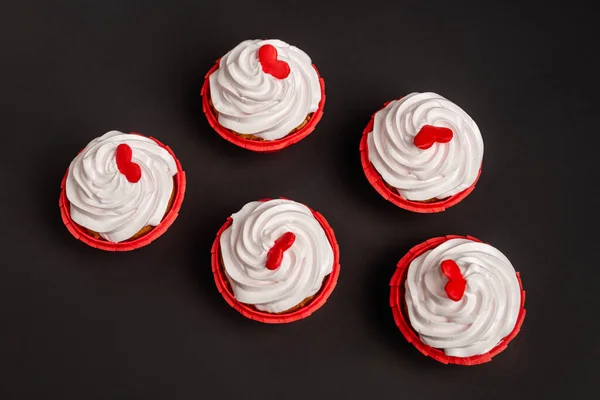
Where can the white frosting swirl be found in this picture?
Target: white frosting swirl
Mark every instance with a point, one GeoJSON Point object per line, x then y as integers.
{"type": "Point", "coordinates": [250, 101]}
{"type": "Point", "coordinates": [101, 197]}
{"type": "Point", "coordinates": [444, 169]}
{"type": "Point", "coordinates": [485, 315]}
{"type": "Point", "coordinates": [253, 232]}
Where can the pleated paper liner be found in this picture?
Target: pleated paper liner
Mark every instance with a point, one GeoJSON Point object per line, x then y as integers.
{"type": "Point", "coordinates": [379, 184]}
{"type": "Point", "coordinates": [80, 233]}
{"type": "Point", "coordinates": [266, 146]}
{"type": "Point", "coordinates": [249, 311]}
{"type": "Point", "coordinates": [397, 303]}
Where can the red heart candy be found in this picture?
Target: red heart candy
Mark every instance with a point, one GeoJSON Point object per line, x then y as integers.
{"type": "Point", "coordinates": [131, 170]}
{"type": "Point", "coordinates": [275, 254]}
{"type": "Point", "coordinates": [429, 134]}
{"type": "Point", "coordinates": [455, 288]}
{"type": "Point", "coordinates": [267, 55]}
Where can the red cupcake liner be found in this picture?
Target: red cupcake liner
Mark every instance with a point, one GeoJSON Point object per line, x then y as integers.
{"type": "Point", "coordinates": [267, 146]}
{"type": "Point", "coordinates": [379, 184]}
{"type": "Point", "coordinates": [397, 302]}
{"type": "Point", "coordinates": [82, 235]}
{"type": "Point", "coordinates": [268, 318]}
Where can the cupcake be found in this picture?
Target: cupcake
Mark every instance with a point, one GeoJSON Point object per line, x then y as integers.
{"type": "Point", "coordinates": [263, 95]}
{"type": "Point", "coordinates": [422, 152]}
{"type": "Point", "coordinates": [275, 261]}
{"type": "Point", "coordinates": [457, 300]}
{"type": "Point", "coordinates": [122, 191]}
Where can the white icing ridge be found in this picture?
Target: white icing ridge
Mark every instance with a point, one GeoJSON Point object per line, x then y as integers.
{"type": "Point", "coordinates": [439, 172]}
{"type": "Point", "coordinates": [488, 310]}
{"type": "Point", "coordinates": [250, 101]}
{"type": "Point", "coordinates": [104, 201]}
{"type": "Point", "coordinates": [244, 248]}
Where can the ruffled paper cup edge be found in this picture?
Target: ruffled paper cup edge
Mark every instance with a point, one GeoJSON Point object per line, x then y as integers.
{"type": "Point", "coordinates": [267, 146]}
{"type": "Point", "coordinates": [268, 318]}
{"type": "Point", "coordinates": [159, 230]}
{"type": "Point", "coordinates": [397, 302]}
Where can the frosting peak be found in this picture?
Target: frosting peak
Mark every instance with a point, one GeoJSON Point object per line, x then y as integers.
{"type": "Point", "coordinates": [425, 146]}
{"type": "Point", "coordinates": [104, 200]}
{"type": "Point", "coordinates": [247, 244]}
{"type": "Point", "coordinates": [251, 100]}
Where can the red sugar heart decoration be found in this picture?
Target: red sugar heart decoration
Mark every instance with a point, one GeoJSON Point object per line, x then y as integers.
{"type": "Point", "coordinates": [275, 254]}
{"type": "Point", "coordinates": [131, 170]}
{"type": "Point", "coordinates": [455, 288]}
{"type": "Point", "coordinates": [429, 134]}
{"type": "Point", "coordinates": [267, 55]}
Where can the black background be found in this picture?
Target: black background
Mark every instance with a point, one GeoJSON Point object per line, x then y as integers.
{"type": "Point", "coordinates": [78, 323]}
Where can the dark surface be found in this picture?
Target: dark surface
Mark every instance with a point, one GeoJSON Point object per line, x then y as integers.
{"type": "Point", "coordinates": [78, 323]}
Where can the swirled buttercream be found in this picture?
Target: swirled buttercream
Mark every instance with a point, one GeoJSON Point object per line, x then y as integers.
{"type": "Point", "coordinates": [251, 101]}
{"type": "Point", "coordinates": [303, 267]}
{"type": "Point", "coordinates": [438, 172]}
{"type": "Point", "coordinates": [488, 310]}
{"type": "Point", "coordinates": [103, 200]}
